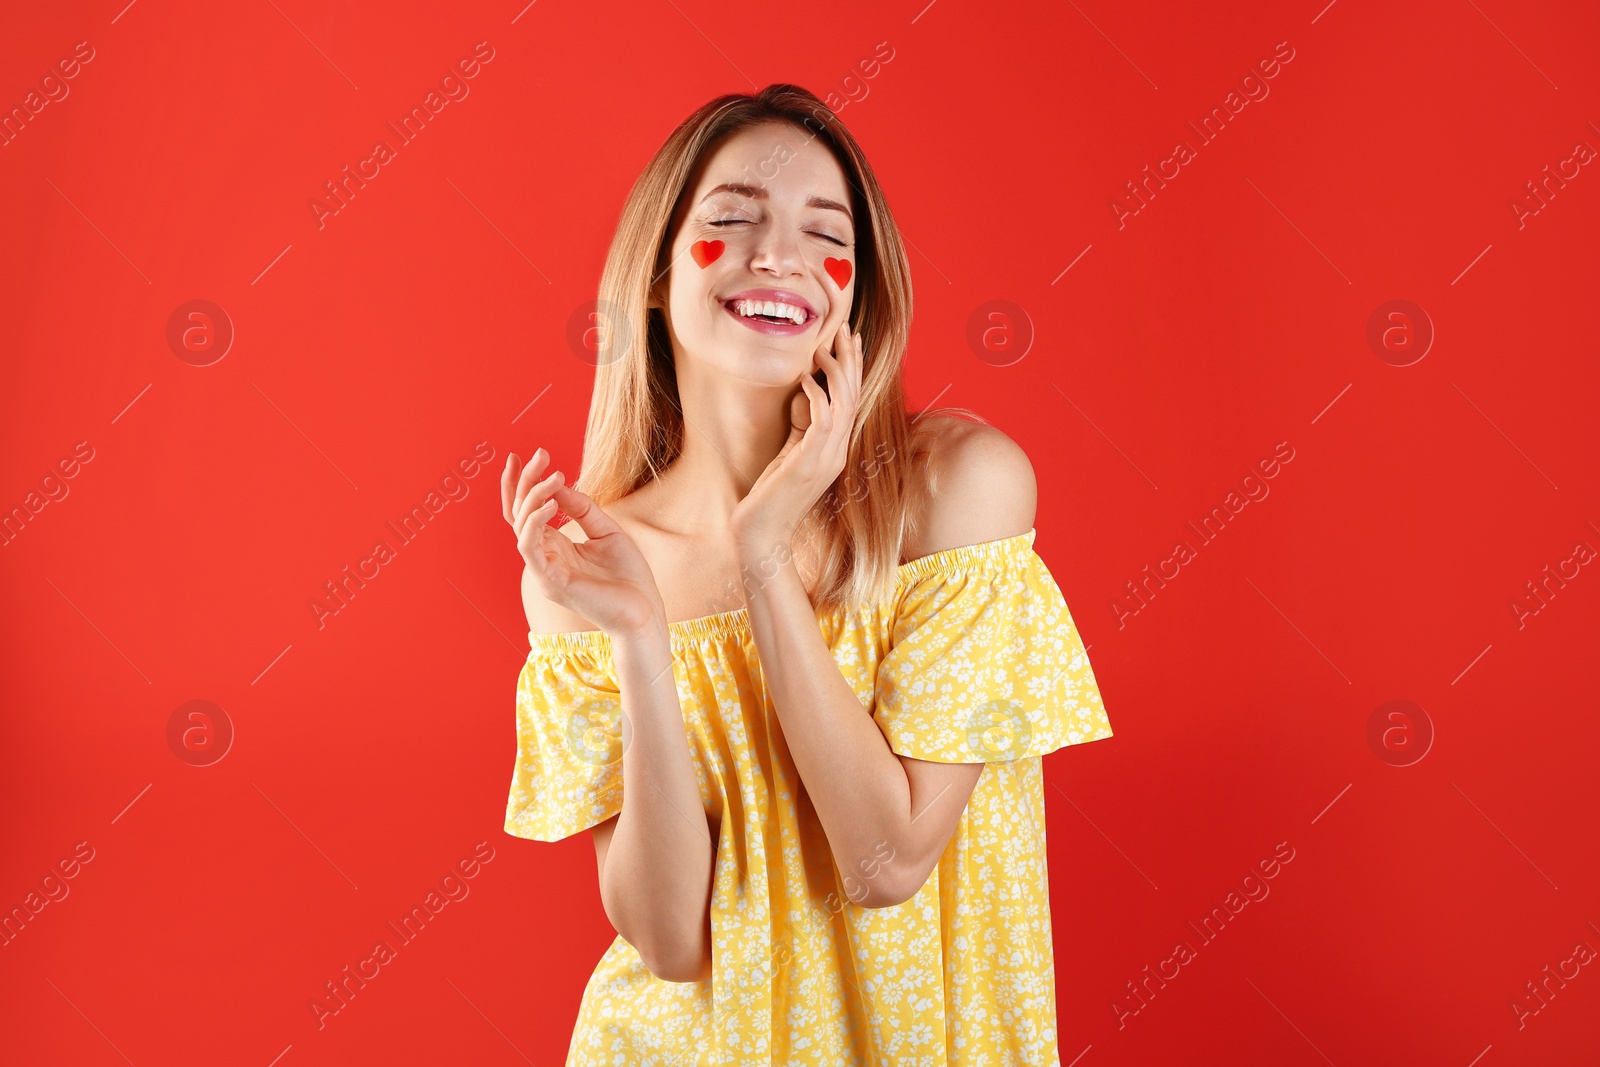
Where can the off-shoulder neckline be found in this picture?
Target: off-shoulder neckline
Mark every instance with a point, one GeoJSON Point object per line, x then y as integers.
{"type": "Point", "coordinates": [688, 630]}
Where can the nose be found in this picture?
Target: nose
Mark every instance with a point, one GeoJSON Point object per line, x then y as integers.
{"type": "Point", "coordinates": [778, 252]}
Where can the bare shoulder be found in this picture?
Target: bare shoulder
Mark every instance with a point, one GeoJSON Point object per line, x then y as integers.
{"type": "Point", "coordinates": [977, 485]}
{"type": "Point", "coordinates": [545, 616]}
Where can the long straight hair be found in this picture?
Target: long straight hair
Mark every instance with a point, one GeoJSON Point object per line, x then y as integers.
{"type": "Point", "coordinates": [635, 426]}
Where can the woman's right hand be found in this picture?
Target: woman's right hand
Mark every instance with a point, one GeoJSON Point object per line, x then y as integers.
{"type": "Point", "coordinates": [605, 579]}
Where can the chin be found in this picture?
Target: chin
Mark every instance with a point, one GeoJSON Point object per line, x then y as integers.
{"type": "Point", "coordinates": [780, 367]}
{"type": "Point", "coordinates": [765, 365]}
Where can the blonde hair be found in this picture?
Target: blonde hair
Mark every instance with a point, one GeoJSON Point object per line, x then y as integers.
{"type": "Point", "coordinates": [635, 425]}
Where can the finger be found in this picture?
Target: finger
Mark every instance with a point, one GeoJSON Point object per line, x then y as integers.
{"type": "Point", "coordinates": [823, 351]}
{"type": "Point", "coordinates": [858, 365]}
{"type": "Point", "coordinates": [538, 464]}
{"type": "Point", "coordinates": [844, 378]}
{"type": "Point", "coordinates": [846, 352]}
{"type": "Point", "coordinates": [508, 485]}
{"type": "Point", "coordinates": [531, 527]}
{"type": "Point", "coordinates": [585, 512]}
{"type": "Point", "coordinates": [832, 345]}
{"type": "Point", "coordinates": [537, 494]}
{"type": "Point", "coordinates": [842, 389]}
{"type": "Point", "coordinates": [860, 358]}
{"type": "Point", "coordinates": [838, 428]}
{"type": "Point", "coordinates": [539, 550]}
{"type": "Point", "coordinates": [799, 423]}
{"type": "Point", "coordinates": [821, 409]}
{"type": "Point", "coordinates": [540, 495]}
{"type": "Point", "coordinates": [831, 363]}
{"type": "Point", "coordinates": [827, 345]}
{"type": "Point", "coordinates": [520, 479]}
{"type": "Point", "coordinates": [532, 539]}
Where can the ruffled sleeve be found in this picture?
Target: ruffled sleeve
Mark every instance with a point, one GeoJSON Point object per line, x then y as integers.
{"type": "Point", "coordinates": [985, 664]}
{"type": "Point", "coordinates": [568, 774]}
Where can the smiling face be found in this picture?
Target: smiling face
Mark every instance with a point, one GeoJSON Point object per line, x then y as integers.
{"type": "Point", "coordinates": [760, 248]}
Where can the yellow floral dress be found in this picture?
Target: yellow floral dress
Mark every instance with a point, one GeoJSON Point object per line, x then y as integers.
{"type": "Point", "coordinates": [974, 659]}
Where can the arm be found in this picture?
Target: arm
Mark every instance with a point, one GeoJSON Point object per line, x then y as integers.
{"type": "Point", "coordinates": [659, 859]}
{"type": "Point", "coordinates": [864, 793]}
{"type": "Point", "coordinates": [655, 859]}
{"type": "Point", "coordinates": [887, 817]}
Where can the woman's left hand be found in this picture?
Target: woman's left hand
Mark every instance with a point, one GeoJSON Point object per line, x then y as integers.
{"type": "Point", "coordinates": [820, 428]}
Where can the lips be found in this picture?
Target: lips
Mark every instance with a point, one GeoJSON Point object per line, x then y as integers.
{"type": "Point", "coordinates": [775, 328]}
{"type": "Point", "coordinates": [777, 296]}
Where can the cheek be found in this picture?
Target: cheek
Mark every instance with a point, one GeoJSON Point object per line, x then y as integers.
{"type": "Point", "coordinates": [704, 253]}
{"type": "Point", "coordinates": [841, 270]}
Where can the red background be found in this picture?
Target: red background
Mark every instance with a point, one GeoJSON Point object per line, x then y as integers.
{"type": "Point", "coordinates": [372, 353]}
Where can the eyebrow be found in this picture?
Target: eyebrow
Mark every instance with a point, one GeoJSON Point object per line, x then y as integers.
{"type": "Point", "coordinates": [756, 192]}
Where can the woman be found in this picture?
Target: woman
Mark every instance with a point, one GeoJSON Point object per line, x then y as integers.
{"type": "Point", "coordinates": [833, 845]}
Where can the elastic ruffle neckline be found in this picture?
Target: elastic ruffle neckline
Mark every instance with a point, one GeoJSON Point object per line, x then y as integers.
{"type": "Point", "coordinates": [686, 631]}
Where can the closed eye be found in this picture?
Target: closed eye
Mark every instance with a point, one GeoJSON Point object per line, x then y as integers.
{"type": "Point", "coordinates": [737, 222]}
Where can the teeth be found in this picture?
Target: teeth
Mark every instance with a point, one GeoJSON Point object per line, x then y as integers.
{"type": "Point", "coordinates": [773, 309]}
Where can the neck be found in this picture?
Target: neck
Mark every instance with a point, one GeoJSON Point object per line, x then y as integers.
{"type": "Point", "coordinates": [732, 430]}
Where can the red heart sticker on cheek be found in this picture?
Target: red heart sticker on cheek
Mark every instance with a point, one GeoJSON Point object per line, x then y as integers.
{"type": "Point", "coordinates": [705, 253]}
{"type": "Point", "coordinates": [838, 270]}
